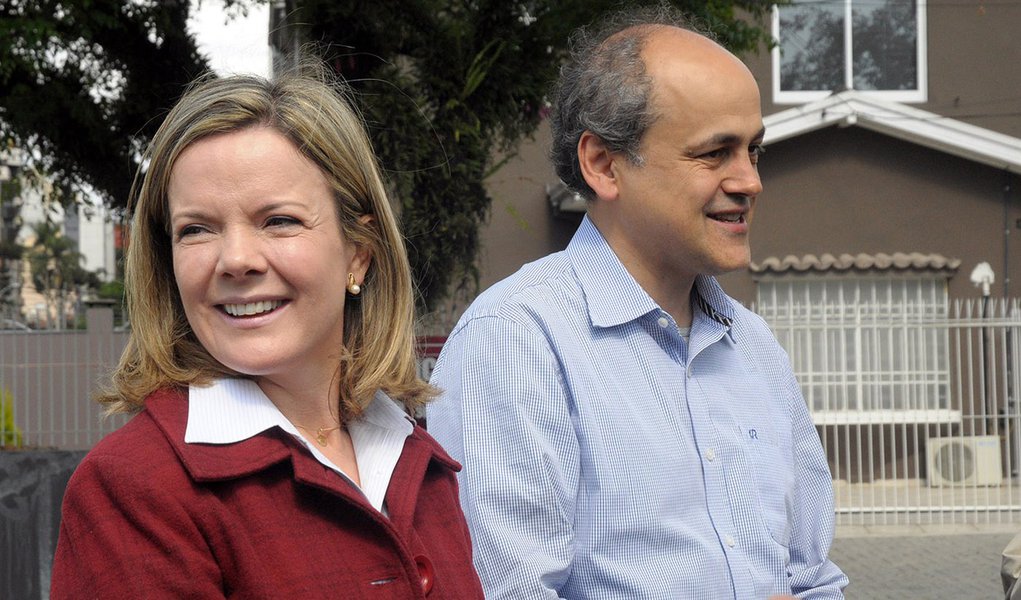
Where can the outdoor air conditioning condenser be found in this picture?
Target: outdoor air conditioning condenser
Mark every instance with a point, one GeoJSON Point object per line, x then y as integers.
{"type": "Point", "coordinates": [963, 461]}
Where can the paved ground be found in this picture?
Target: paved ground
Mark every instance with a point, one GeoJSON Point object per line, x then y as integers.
{"type": "Point", "coordinates": [922, 562]}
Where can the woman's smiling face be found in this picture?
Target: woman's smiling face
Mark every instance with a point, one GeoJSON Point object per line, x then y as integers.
{"type": "Point", "coordinates": [259, 257]}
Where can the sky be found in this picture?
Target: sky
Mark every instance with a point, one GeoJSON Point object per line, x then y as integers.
{"type": "Point", "coordinates": [237, 46]}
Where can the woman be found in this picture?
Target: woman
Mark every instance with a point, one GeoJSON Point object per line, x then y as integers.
{"type": "Point", "coordinates": [271, 308]}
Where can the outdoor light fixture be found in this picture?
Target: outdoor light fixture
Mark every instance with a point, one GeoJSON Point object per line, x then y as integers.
{"type": "Point", "coordinates": [982, 275]}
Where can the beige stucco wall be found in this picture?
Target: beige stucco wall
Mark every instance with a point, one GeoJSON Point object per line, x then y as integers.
{"type": "Point", "coordinates": [521, 225]}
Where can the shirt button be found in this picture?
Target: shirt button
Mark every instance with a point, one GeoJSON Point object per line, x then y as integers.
{"type": "Point", "coordinates": [710, 455]}
{"type": "Point", "coordinates": [731, 542]}
{"type": "Point", "coordinates": [663, 322]}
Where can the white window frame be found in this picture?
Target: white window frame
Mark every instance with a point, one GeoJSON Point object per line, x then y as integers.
{"type": "Point", "coordinates": [804, 96]}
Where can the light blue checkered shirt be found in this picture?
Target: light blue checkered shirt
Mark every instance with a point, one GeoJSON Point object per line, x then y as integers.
{"type": "Point", "coordinates": [604, 457]}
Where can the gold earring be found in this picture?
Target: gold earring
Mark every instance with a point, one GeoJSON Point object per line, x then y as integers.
{"type": "Point", "coordinates": [353, 288]}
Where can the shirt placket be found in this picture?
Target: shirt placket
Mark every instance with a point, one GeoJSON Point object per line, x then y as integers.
{"type": "Point", "coordinates": [716, 454]}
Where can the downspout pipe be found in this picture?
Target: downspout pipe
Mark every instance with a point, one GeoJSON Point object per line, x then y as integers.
{"type": "Point", "coordinates": [1008, 179]}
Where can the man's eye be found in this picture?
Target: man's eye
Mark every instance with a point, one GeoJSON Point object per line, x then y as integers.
{"type": "Point", "coordinates": [716, 154]}
{"type": "Point", "coordinates": [755, 151]}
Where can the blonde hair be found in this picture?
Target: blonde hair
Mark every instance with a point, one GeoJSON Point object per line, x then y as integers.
{"type": "Point", "coordinates": [314, 114]}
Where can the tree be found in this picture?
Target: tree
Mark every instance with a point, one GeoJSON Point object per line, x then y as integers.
{"type": "Point", "coordinates": [10, 250]}
{"type": "Point", "coordinates": [57, 270]}
{"type": "Point", "coordinates": [448, 88]}
{"type": "Point", "coordinates": [113, 291]}
{"type": "Point", "coordinates": [84, 84]}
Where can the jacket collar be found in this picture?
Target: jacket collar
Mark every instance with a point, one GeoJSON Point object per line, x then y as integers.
{"type": "Point", "coordinates": [214, 462]}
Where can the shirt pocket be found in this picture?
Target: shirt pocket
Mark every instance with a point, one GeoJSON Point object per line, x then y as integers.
{"type": "Point", "coordinates": [771, 458]}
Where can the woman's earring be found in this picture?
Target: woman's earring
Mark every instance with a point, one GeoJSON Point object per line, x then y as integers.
{"type": "Point", "coordinates": [353, 288]}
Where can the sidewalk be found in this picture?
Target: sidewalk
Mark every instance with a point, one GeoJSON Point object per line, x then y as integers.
{"type": "Point", "coordinates": [922, 562]}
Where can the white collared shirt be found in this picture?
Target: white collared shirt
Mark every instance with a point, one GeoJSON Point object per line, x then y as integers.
{"type": "Point", "coordinates": [232, 410]}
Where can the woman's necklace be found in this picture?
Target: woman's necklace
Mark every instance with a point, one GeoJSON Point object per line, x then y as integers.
{"type": "Point", "coordinates": [320, 433]}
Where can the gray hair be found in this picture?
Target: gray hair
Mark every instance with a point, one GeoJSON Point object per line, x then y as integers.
{"type": "Point", "coordinates": [604, 89]}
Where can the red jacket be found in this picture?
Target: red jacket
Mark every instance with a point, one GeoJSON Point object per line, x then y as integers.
{"type": "Point", "coordinates": [147, 516]}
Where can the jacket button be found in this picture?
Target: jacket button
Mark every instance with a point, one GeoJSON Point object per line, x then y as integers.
{"type": "Point", "coordinates": [425, 573]}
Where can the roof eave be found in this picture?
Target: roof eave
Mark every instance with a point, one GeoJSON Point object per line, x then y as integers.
{"type": "Point", "coordinates": [849, 108]}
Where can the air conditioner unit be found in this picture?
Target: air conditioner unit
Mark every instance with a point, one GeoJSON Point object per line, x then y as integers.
{"type": "Point", "coordinates": [959, 461]}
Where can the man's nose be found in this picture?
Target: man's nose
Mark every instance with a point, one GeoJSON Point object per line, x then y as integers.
{"type": "Point", "coordinates": [743, 180]}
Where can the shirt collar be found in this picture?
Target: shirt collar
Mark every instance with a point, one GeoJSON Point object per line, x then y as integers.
{"type": "Point", "coordinates": [231, 410]}
{"type": "Point", "coordinates": [384, 413]}
{"type": "Point", "coordinates": [713, 301]}
{"type": "Point", "coordinates": [612, 294]}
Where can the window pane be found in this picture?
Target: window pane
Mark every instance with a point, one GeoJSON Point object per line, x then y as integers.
{"type": "Point", "coordinates": [884, 39]}
{"type": "Point", "coordinates": [812, 45]}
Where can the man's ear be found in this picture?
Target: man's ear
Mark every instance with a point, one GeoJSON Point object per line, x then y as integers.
{"type": "Point", "coordinates": [597, 166]}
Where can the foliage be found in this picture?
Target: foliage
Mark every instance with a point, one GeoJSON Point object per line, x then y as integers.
{"type": "Point", "coordinates": [10, 217]}
{"type": "Point", "coordinates": [448, 88]}
{"type": "Point", "coordinates": [10, 287]}
{"type": "Point", "coordinates": [113, 290]}
{"type": "Point", "coordinates": [56, 266]}
{"type": "Point", "coordinates": [11, 250]}
{"type": "Point", "coordinates": [10, 434]}
{"type": "Point", "coordinates": [10, 192]}
{"type": "Point", "coordinates": [84, 83]}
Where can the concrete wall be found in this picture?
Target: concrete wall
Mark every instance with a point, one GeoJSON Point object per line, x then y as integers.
{"type": "Point", "coordinates": [31, 490]}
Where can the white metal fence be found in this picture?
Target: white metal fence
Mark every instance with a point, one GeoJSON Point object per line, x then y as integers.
{"type": "Point", "coordinates": [918, 410]}
{"type": "Point", "coordinates": [917, 407]}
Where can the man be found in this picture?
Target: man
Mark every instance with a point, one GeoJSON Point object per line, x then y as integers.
{"type": "Point", "coordinates": [628, 430]}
